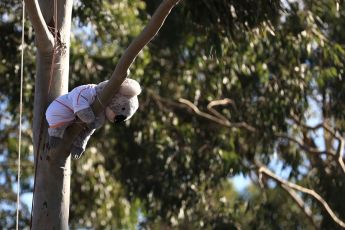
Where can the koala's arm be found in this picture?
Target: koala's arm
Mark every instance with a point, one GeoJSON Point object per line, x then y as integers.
{"type": "Point", "coordinates": [87, 116]}
{"type": "Point", "coordinates": [81, 104]}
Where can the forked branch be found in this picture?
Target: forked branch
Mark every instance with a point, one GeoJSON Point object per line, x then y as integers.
{"type": "Point", "coordinates": [44, 39]}
{"type": "Point", "coordinates": [225, 101]}
{"type": "Point", "coordinates": [218, 119]}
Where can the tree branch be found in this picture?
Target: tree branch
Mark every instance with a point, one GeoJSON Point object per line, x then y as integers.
{"type": "Point", "coordinates": [224, 101]}
{"type": "Point", "coordinates": [132, 52]}
{"type": "Point", "coordinates": [44, 39]}
{"type": "Point", "coordinates": [336, 135]}
{"type": "Point", "coordinates": [303, 146]}
{"type": "Point", "coordinates": [301, 204]}
{"type": "Point", "coordinates": [220, 121]}
{"type": "Point", "coordinates": [223, 122]}
{"type": "Point", "coordinates": [315, 127]}
{"type": "Point", "coordinates": [264, 170]}
{"type": "Point", "coordinates": [340, 153]}
{"type": "Point", "coordinates": [163, 103]}
{"type": "Point", "coordinates": [298, 200]}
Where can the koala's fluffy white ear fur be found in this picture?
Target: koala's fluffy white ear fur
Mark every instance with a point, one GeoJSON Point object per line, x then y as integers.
{"type": "Point", "coordinates": [130, 88]}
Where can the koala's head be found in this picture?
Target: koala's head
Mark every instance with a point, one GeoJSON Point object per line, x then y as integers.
{"type": "Point", "coordinates": [124, 103]}
{"type": "Point", "coordinates": [122, 107]}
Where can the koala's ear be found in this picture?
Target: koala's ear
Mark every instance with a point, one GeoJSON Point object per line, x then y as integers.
{"type": "Point", "coordinates": [130, 88]}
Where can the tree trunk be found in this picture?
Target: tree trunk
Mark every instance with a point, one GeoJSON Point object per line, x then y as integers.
{"type": "Point", "coordinates": [52, 179]}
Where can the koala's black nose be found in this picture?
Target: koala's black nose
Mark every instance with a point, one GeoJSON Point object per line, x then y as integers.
{"type": "Point", "coordinates": [119, 118]}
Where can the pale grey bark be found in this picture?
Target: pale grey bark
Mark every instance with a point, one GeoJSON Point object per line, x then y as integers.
{"type": "Point", "coordinates": [52, 182]}
{"type": "Point", "coordinates": [52, 179]}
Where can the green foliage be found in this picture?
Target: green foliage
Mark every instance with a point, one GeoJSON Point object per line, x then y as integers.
{"type": "Point", "coordinates": [168, 167]}
{"type": "Point", "coordinates": [270, 209]}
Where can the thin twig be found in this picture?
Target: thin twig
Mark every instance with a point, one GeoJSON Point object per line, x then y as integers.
{"type": "Point", "coordinates": [336, 135]}
{"type": "Point", "coordinates": [303, 146]}
{"type": "Point", "coordinates": [315, 127]}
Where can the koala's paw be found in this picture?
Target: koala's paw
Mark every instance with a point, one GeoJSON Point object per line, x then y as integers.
{"type": "Point", "coordinates": [77, 152]}
{"type": "Point", "coordinates": [53, 142]}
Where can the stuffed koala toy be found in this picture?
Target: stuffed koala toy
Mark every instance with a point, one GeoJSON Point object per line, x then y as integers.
{"type": "Point", "coordinates": [63, 111]}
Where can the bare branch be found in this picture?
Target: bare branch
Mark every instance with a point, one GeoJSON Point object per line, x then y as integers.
{"type": "Point", "coordinates": [183, 103]}
{"type": "Point", "coordinates": [224, 101]}
{"type": "Point", "coordinates": [223, 122]}
{"type": "Point", "coordinates": [316, 196]}
{"type": "Point", "coordinates": [301, 204]}
{"type": "Point", "coordinates": [340, 153]}
{"type": "Point", "coordinates": [213, 118]}
{"type": "Point", "coordinates": [44, 39]}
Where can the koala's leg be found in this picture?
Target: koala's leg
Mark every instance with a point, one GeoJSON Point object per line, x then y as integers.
{"type": "Point", "coordinates": [79, 144]}
{"type": "Point", "coordinates": [55, 135]}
